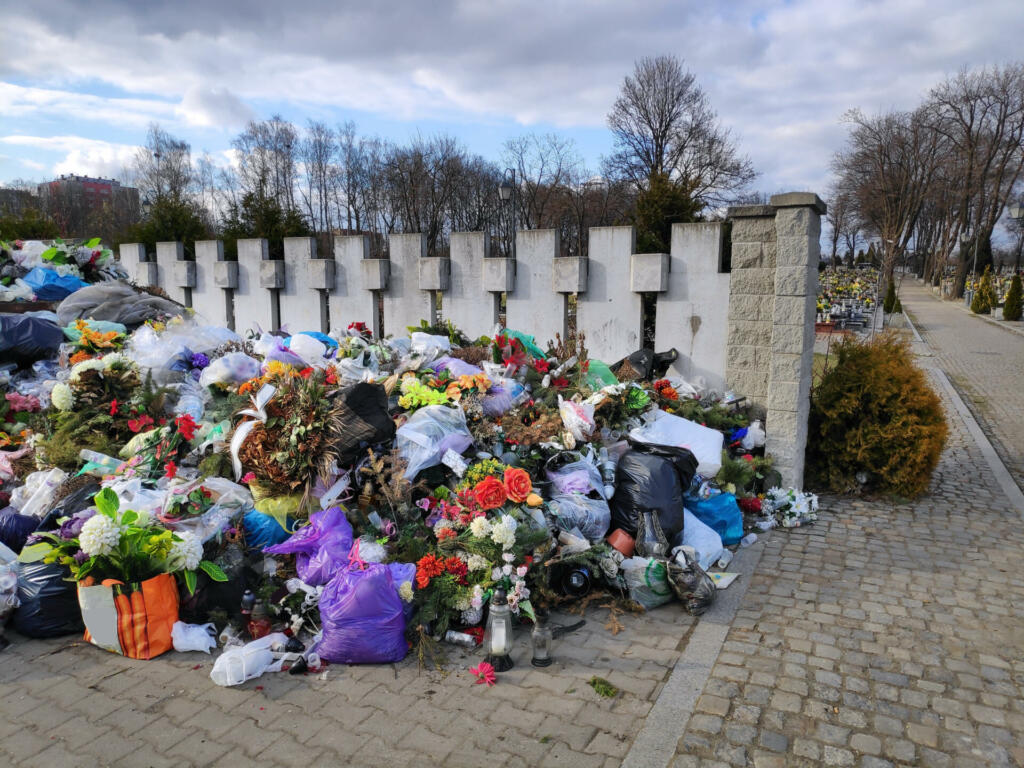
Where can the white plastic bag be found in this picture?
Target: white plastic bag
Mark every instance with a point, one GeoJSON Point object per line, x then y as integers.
{"type": "Point", "coordinates": [755, 436]}
{"type": "Point", "coordinates": [428, 433]}
{"type": "Point", "coordinates": [309, 349]}
{"type": "Point", "coordinates": [193, 637]}
{"type": "Point", "coordinates": [37, 493]}
{"type": "Point", "coordinates": [8, 583]}
{"type": "Point", "coordinates": [232, 368]}
{"type": "Point", "coordinates": [238, 664]}
{"type": "Point", "coordinates": [663, 428]}
{"type": "Point", "coordinates": [428, 348]}
{"type": "Point", "coordinates": [705, 541]}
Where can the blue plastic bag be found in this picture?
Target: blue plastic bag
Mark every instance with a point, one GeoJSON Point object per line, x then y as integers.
{"type": "Point", "coordinates": [363, 617]}
{"type": "Point", "coordinates": [47, 285]}
{"type": "Point", "coordinates": [321, 548]}
{"type": "Point", "coordinates": [263, 530]}
{"type": "Point", "coordinates": [720, 512]}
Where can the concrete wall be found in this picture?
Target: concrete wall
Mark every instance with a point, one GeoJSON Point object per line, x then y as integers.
{"type": "Point", "coordinates": [735, 299]}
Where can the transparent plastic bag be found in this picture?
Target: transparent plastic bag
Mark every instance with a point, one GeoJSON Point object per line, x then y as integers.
{"type": "Point", "coordinates": [193, 637]}
{"type": "Point", "coordinates": [578, 418]}
{"type": "Point", "coordinates": [36, 495]}
{"type": "Point", "coordinates": [694, 588]}
{"type": "Point", "coordinates": [232, 368]}
{"type": "Point", "coordinates": [574, 510]}
{"type": "Point", "coordinates": [579, 476]}
{"type": "Point", "coordinates": [429, 347]}
{"type": "Point", "coordinates": [428, 434]}
{"type": "Point", "coordinates": [192, 399]}
{"type": "Point", "coordinates": [311, 350]}
{"type": "Point", "coordinates": [8, 583]}
{"type": "Point", "coordinates": [647, 581]}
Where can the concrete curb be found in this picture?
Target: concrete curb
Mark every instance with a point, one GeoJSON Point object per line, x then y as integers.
{"type": "Point", "coordinates": [1002, 474]}
{"type": "Point", "coordinates": [655, 744]}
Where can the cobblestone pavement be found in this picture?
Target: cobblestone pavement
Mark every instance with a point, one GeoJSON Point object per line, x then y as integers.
{"type": "Point", "coordinates": [883, 635]}
{"type": "Point", "coordinates": [63, 702]}
{"type": "Point", "coordinates": [983, 361]}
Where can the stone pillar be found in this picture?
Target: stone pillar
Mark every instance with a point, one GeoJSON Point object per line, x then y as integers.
{"type": "Point", "coordinates": [254, 304]}
{"type": "Point", "coordinates": [175, 275]}
{"type": "Point", "coordinates": [797, 230]}
{"type": "Point", "coordinates": [751, 303]}
{"type": "Point", "coordinates": [609, 312]}
{"type": "Point", "coordinates": [404, 303]}
{"type": "Point", "coordinates": [300, 300]}
{"type": "Point", "coordinates": [693, 313]}
{"type": "Point", "coordinates": [208, 297]}
{"type": "Point", "coordinates": [533, 307]}
{"type": "Point", "coordinates": [351, 301]}
{"type": "Point", "coordinates": [140, 270]}
{"type": "Point", "coordinates": [467, 303]}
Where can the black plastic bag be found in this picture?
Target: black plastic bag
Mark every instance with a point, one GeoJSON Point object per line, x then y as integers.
{"type": "Point", "coordinates": [366, 419]}
{"type": "Point", "coordinates": [25, 339]}
{"type": "Point", "coordinates": [692, 585]}
{"type": "Point", "coordinates": [652, 477]}
{"type": "Point", "coordinates": [645, 364]}
{"type": "Point", "coordinates": [15, 528]}
{"type": "Point", "coordinates": [49, 604]}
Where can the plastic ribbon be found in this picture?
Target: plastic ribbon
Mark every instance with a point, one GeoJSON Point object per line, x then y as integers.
{"type": "Point", "coordinates": [259, 414]}
{"type": "Point", "coordinates": [354, 560]}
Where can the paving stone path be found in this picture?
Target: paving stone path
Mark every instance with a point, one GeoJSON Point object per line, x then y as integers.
{"type": "Point", "coordinates": [984, 362]}
{"type": "Point", "coordinates": [885, 635]}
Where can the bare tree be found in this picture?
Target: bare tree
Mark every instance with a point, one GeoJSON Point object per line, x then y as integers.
{"type": "Point", "coordinates": [981, 115]}
{"type": "Point", "coordinates": [267, 152]}
{"type": "Point", "coordinates": [317, 152]}
{"type": "Point", "coordinates": [886, 169]}
{"type": "Point", "coordinates": [163, 167]}
{"type": "Point", "coordinates": [544, 165]}
{"type": "Point", "coordinates": [663, 123]}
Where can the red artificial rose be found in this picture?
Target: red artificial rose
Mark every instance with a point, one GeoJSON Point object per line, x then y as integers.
{"type": "Point", "coordinates": [170, 470]}
{"type": "Point", "coordinates": [518, 484]}
{"type": "Point", "coordinates": [113, 407]}
{"type": "Point", "coordinates": [490, 493]}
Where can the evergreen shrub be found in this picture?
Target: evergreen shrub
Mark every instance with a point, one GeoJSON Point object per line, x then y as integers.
{"type": "Point", "coordinates": [875, 413]}
{"type": "Point", "coordinates": [1012, 306]}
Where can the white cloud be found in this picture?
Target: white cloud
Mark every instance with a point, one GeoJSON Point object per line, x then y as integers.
{"type": "Point", "coordinates": [779, 73]}
{"type": "Point", "coordinates": [88, 157]}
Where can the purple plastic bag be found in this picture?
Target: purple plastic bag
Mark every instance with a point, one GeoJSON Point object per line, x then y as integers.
{"type": "Point", "coordinates": [455, 366]}
{"type": "Point", "coordinates": [320, 548]}
{"type": "Point", "coordinates": [363, 617]}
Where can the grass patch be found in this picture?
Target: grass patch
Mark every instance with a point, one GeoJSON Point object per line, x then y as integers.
{"type": "Point", "coordinates": [603, 688]}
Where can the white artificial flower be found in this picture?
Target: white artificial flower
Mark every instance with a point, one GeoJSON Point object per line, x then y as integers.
{"type": "Point", "coordinates": [99, 536]}
{"type": "Point", "coordinates": [463, 604]}
{"type": "Point", "coordinates": [115, 358]}
{"type": "Point", "coordinates": [441, 524]}
{"type": "Point", "coordinates": [506, 569]}
{"type": "Point", "coordinates": [521, 571]}
{"type": "Point", "coordinates": [187, 553]}
{"type": "Point", "coordinates": [143, 518]}
{"type": "Point", "coordinates": [508, 557]}
{"type": "Point", "coordinates": [92, 364]}
{"type": "Point", "coordinates": [61, 397]}
{"type": "Point", "coordinates": [496, 574]}
{"type": "Point", "coordinates": [478, 563]}
{"type": "Point", "coordinates": [405, 591]}
{"type": "Point", "coordinates": [480, 527]}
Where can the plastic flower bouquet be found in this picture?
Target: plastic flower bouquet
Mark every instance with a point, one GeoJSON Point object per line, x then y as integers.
{"type": "Point", "coordinates": [791, 507]}
{"type": "Point", "coordinates": [125, 566]}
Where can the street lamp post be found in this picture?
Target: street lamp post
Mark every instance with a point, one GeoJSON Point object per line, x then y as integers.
{"type": "Point", "coordinates": [507, 193]}
{"type": "Point", "coordinates": [1017, 213]}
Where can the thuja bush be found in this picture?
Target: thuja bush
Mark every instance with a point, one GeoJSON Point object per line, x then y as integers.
{"type": "Point", "coordinates": [1012, 305]}
{"type": "Point", "coordinates": [874, 414]}
{"type": "Point", "coordinates": [985, 296]}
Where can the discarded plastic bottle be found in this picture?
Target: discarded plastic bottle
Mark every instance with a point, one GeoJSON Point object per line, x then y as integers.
{"type": "Point", "coordinates": [749, 539]}
{"type": "Point", "coordinates": [259, 624]}
{"type": "Point", "coordinates": [248, 601]}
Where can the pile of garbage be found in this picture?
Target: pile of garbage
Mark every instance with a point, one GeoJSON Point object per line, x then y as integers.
{"type": "Point", "coordinates": [305, 498]}
{"type": "Point", "coordinates": [34, 270]}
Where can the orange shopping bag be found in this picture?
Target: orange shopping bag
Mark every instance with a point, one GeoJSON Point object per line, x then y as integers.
{"type": "Point", "coordinates": [133, 620]}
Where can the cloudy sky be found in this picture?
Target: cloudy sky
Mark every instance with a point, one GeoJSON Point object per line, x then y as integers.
{"type": "Point", "coordinates": [80, 81]}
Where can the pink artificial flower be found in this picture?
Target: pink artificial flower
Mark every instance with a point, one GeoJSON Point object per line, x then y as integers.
{"type": "Point", "coordinates": [484, 674]}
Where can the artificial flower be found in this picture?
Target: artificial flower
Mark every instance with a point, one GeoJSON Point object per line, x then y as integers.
{"type": "Point", "coordinates": [490, 493]}
{"type": "Point", "coordinates": [484, 674]}
{"type": "Point", "coordinates": [186, 553]}
{"type": "Point", "coordinates": [518, 484]}
{"type": "Point", "coordinates": [61, 397]}
{"type": "Point", "coordinates": [480, 527]}
{"type": "Point", "coordinates": [99, 536]}
{"type": "Point", "coordinates": [405, 591]}
{"type": "Point", "coordinates": [140, 423]}
{"type": "Point", "coordinates": [541, 366]}
{"type": "Point", "coordinates": [113, 407]}
{"type": "Point", "coordinates": [186, 426]}
{"type": "Point", "coordinates": [170, 470]}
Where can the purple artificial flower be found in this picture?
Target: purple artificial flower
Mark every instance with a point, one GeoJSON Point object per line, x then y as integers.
{"type": "Point", "coordinates": [72, 527]}
{"type": "Point", "coordinates": [80, 557]}
{"type": "Point", "coordinates": [434, 516]}
{"type": "Point", "coordinates": [199, 360]}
